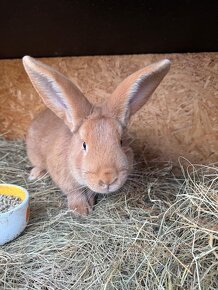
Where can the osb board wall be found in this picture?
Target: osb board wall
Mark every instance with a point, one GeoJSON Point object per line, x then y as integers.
{"type": "Point", "coordinates": [181, 119]}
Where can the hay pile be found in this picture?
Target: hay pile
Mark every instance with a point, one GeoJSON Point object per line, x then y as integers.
{"type": "Point", "coordinates": [159, 232]}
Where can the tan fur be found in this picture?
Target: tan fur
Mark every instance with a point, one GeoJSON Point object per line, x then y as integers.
{"type": "Point", "coordinates": [55, 138]}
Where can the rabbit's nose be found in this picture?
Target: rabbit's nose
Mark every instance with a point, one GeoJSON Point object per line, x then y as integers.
{"type": "Point", "coordinates": [107, 178]}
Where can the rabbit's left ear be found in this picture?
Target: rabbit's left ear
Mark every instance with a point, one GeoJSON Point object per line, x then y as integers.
{"type": "Point", "coordinates": [135, 90]}
{"type": "Point", "coordinates": [58, 93]}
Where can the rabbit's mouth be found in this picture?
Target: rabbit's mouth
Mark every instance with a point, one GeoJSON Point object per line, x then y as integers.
{"type": "Point", "coordinates": [105, 188]}
{"type": "Point", "coordinates": [101, 190]}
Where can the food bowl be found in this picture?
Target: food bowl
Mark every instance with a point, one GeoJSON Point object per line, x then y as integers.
{"type": "Point", "coordinates": [14, 221]}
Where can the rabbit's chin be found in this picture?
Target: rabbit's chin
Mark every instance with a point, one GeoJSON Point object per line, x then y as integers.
{"type": "Point", "coordinates": [112, 188]}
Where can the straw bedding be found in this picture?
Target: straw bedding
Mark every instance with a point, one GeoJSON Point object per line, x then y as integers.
{"type": "Point", "coordinates": [158, 232]}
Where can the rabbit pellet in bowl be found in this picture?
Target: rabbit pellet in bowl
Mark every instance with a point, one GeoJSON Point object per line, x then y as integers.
{"type": "Point", "coordinates": [8, 202]}
{"type": "Point", "coordinates": [14, 211]}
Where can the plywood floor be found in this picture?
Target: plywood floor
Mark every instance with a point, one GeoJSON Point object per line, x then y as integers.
{"type": "Point", "coordinates": [181, 119]}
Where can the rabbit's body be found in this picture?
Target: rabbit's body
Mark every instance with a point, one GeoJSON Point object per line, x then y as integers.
{"type": "Point", "coordinates": [85, 148]}
{"type": "Point", "coordinates": [51, 147]}
{"type": "Point", "coordinates": [48, 141]}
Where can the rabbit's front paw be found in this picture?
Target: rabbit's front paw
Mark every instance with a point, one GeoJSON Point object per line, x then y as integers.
{"type": "Point", "coordinates": [81, 204]}
{"type": "Point", "coordinates": [35, 173]}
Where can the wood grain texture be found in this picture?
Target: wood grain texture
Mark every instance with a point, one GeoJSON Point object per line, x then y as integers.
{"type": "Point", "coordinates": [181, 118]}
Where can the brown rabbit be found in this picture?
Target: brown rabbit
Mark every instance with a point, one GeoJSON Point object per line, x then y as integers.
{"type": "Point", "coordinates": [80, 145]}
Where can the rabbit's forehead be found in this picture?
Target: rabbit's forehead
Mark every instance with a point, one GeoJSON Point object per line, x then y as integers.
{"type": "Point", "coordinates": [100, 128]}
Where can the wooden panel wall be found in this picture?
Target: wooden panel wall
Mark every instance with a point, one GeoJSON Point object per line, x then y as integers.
{"type": "Point", "coordinates": [181, 119]}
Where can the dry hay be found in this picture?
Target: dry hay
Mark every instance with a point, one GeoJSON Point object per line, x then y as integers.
{"type": "Point", "coordinates": [159, 232]}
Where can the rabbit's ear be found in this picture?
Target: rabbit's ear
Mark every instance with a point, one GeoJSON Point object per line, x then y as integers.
{"type": "Point", "coordinates": [135, 90]}
{"type": "Point", "coordinates": [58, 93]}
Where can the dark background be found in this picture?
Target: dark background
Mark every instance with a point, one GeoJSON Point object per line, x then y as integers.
{"type": "Point", "coordinates": [64, 27]}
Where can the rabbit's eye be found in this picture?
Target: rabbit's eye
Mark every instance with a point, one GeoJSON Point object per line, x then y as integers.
{"type": "Point", "coordinates": [84, 146]}
{"type": "Point", "coordinates": [121, 142]}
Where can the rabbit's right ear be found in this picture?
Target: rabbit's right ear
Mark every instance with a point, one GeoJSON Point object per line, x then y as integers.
{"type": "Point", "coordinates": [58, 93]}
{"type": "Point", "coordinates": [135, 91]}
